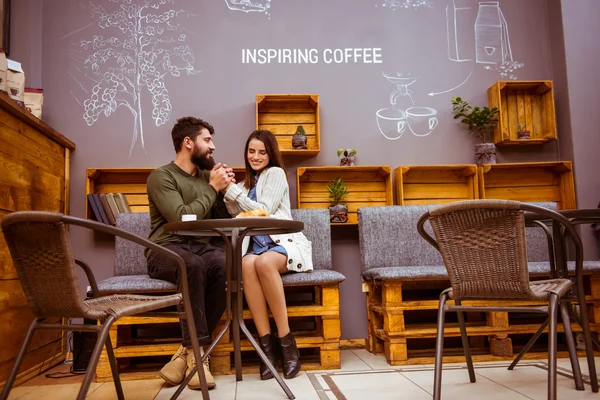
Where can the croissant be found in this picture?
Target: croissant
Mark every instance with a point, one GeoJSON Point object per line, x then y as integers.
{"type": "Point", "coordinates": [257, 212]}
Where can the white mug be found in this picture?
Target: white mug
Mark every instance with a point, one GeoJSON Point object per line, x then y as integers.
{"type": "Point", "coordinates": [189, 217]}
{"type": "Point", "coordinates": [421, 120]}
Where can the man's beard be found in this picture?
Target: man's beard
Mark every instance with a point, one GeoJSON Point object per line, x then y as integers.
{"type": "Point", "coordinates": [203, 161]}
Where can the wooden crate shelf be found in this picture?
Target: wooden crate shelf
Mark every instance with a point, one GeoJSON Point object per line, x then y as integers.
{"type": "Point", "coordinates": [129, 181]}
{"type": "Point", "coordinates": [367, 186]}
{"type": "Point", "coordinates": [435, 184]}
{"type": "Point", "coordinates": [402, 323]}
{"type": "Point", "coordinates": [523, 102]}
{"type": "Point", "coordinates": [314, 317]}
{"type": "Point", "coordinates": [282, 113]}
{"type": "Point", "coordinates": [529, 182]}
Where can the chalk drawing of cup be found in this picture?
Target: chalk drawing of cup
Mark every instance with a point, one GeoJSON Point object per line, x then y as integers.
{"type": "Point", "coordinates": [421, 120]}
{"type": "Point", "coordinates": [391, 123]}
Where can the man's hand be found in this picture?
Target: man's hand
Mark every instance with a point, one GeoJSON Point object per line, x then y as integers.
{"type": "Point", "coordinates": [220, 177]}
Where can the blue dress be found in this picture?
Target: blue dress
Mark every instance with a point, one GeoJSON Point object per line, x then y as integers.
{"type": "Point", "coordinates": [260, 244]}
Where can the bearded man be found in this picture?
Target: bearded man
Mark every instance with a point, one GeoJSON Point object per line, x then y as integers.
{"type": "Point", "coordinates": [191, 184]}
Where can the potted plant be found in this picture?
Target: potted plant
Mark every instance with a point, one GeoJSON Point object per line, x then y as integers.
{"type": "Point", "coordinates": [481, 122]}
{"type": "Point", "coordinates": [337, 212]}
{"type": "Point", "coordinates": [522, 132]}
{"type": "Point", "coordinates": [299, 139]}
{"type": "Point", "coordinates": [348, 156]}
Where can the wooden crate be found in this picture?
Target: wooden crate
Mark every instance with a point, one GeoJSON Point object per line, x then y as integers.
{"type": "Point", "coordinates": [282, 113]}
{"type": "Point", "coordinates": [529, 182]}
{"type": "Point", "coordinates": [314, 313]}
{"type": "Point", "coordinates": [523, 102]}
{"type": "Point", "coordinates": [129, 181]}
{"type": "Point", "coordinates": [402, 324]}
{"type": "Point", "coordinates": [435, 184]}
{"type": "Point", "coordinates": [367, 186]}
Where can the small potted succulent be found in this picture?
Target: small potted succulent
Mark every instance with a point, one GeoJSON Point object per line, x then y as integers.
{"type": "Point", "coordinates": [481, 122]}
{"type": "Point", "coordinates": [346, 157]}
{"type": "Point", "coordinates": [299, 139]}
{"type": "Point", "coordinates": [523, 132]}
{"type": "Point", "coordinates": [337, 212]}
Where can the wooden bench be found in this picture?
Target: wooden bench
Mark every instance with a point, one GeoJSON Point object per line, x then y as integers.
{"type": "Point", "coordinates": [313, 308]}
{"type": "Point", "coordinates": [404, 275]}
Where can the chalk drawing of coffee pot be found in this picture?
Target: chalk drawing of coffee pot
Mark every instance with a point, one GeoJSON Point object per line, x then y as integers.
{"type": "Point", "coordinates": [402, 84]}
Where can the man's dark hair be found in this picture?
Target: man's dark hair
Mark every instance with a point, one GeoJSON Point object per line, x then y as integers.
{"type": "Point", "coordinates": [188, 127]}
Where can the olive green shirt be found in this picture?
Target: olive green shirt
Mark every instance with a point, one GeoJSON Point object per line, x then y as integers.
{"type": "Point", "coordinates": [173, 192]}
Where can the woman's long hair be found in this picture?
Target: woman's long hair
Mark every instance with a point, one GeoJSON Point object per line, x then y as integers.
{"type": "Point", "coordinates": [272, 148]}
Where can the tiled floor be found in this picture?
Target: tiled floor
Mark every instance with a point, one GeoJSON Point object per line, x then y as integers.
{"type": "Point", "coordinates": [363, 376]}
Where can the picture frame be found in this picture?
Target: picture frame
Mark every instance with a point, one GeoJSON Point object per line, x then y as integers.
{"type": "Point", "coordinates": [5, 25]}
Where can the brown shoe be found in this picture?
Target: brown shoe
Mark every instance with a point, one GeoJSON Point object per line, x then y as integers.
{"type": "Point", "coordinates": [266, 344]}
{"type": "Point", "coordinates": [289, 356]}
{"type": "Point", "coordinates": [174, 371]}
{"type": "Point", "coordinates": [194, 383]}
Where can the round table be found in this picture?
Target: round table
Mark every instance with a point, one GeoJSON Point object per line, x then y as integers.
{"type": "Point", "coordinates": [233, 231]}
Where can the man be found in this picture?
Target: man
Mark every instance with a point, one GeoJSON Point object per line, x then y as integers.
{"type": "Point", "coordinates": [190, 185]}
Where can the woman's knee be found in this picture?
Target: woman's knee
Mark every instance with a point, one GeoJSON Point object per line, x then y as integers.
{"type": "Point", "coordinates": [265, 266]}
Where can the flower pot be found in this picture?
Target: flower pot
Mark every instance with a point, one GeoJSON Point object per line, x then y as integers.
{"type": "Point", "coordinates": [338, 213]}
{"type": "Point", "coordinates": [523, 135]}
{"type": "Point", "coordinates": [347, 161]}
{"type": "Point", "coordinates": [485, 153]}
{"type": "Point", "coordinates": [299, 142]}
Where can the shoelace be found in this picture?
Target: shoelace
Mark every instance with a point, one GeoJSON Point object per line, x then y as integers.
{"type": "Point", "coordinates": [206, 361]}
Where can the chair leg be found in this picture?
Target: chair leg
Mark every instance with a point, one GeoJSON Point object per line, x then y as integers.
{"type": "Point", "coordinates": [587, 336]}
{"type": "Point", "coordinates": [564, 311]}
{"type": "Point", "coordinates": [573, 314]}
{"type": "Point", "coordinates": [465, 343]}
{"type": "Point", "coordinates": [114, 368]}
{"type": "Point", "coordinates": [552, 347]}
{"type": "Point", "coordinates": [439, 348]}
{"type": "Point", "coordinates": [91, 370]}
{"type": "Point", "coordinates": [13, 373]}
{"type": "Point", "coordinates": [531, 342]}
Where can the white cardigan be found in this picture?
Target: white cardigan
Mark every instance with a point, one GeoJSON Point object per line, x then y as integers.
{"type": "Point", "coordinates": [273, 195]}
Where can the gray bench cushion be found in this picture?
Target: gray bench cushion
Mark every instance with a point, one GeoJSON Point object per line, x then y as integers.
{"type": "Point", "coordinates": [391, 247]}
{"type": "Point", "coordinates": [317, 277]}
{"type": "Point", "coordinates": [139, 284]}
{"type": "Point", "coordinates": [131, 272]}
{"type": "Point", "coordinates": [388, 237]}
{"type": "Point", "coordinates": [129, 256]}
{"type": "Point", "coordinates": [439, 272]}
{"type": "Point", "coordinates": [317, 229]}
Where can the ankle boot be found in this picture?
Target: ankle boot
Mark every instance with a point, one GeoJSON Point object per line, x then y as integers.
{"type": "Point", "coordinates": [289, 356]}
{"type": "Point", "coordinates": [266, 344]}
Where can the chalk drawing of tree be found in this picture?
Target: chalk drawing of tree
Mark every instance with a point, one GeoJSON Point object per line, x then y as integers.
{"type": "Point", "coordinates": [142, 48]}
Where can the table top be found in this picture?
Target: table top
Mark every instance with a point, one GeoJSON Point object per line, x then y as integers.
{"type": "Point", "coordinates": [580, 215]}
{"type": "Point", "coordinates": [254, 225]}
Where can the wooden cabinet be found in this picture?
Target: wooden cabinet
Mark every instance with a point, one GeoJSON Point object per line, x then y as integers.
{"type": "Point", "coordinates": [282, 113]}
{"type": "Point", "coordinates": [129, 181]}
{"type": "Point", "coordinates": [367, 186]}
{"type": "Point", "coordinates": [529, 103]}
{"type": "Point", "coordinates": [435, 184]}
{"type": "Point", "coordinates": [34, 175]}
{"type": "Point", "coordinates": [529, 182]}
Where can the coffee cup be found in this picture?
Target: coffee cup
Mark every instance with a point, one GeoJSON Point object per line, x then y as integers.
{"type": "Point", "coordinates": [421, 120]}
{"type": "Point", "coordinates": [391, 123]}
{"type": "Point", "coordinates": [189, 217]}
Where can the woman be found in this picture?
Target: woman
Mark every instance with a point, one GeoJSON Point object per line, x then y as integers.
{"type": "Point", "coordinates": [267, 257]}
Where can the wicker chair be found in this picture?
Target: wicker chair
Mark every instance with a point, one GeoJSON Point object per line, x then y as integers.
{"type": "Point", "coordinates": [40, 247]}
{"type": "Point", "coordinates": [483, 246]}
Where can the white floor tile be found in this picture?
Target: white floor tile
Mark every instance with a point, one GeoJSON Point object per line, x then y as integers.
{"type": "Point", "coordinates": [378, 386]}
{"type": "Point", "coordinates": [350, 362]}
{"type": "Point", "coordinates": [372, 360]}
{"type": "Point", "coordinates": [252, 388]}
{"type": "Point", "coordinates": [225, 390]}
